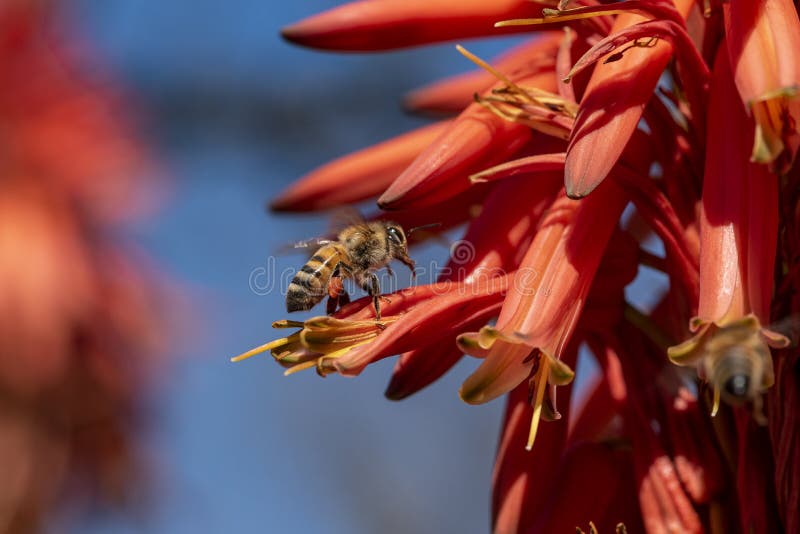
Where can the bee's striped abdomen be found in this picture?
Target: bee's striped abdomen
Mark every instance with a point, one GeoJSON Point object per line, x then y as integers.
{"type": "Point", "coordinates": [310, 284]}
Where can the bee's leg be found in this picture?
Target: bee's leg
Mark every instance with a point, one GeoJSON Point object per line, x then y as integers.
{"type": "Point", "coordinates": [372, 287]}
{"type": "Point", "coordinates": [389, 271]}
{"type": "Point", "coordinates": [337, 301]}
{"type": "Point", "coordinates": [335, 290]}
{"type": "Point", "coordinates": [333, 305]}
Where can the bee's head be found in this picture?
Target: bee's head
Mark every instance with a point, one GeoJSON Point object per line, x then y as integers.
{"type": "Point", "coordinates": [398, 244]}
{"type": "Point", "coordinates": [738, 386]}
{"type": "Point", "coordinates": [735, 374]}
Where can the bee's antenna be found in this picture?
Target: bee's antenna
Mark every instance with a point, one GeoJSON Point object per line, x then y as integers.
{"type": "Point", "coordinates": [423, 227]}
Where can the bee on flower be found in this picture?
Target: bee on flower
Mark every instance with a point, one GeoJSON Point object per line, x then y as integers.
{"type": "Point", "coordinates": [359, 251]}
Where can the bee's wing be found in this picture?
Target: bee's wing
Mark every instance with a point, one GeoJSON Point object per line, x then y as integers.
{"type": "Point", "coordinates": [340, 219]}
{"type": "Point", "coordinates": [344, 217]}
{"type": "Point", "coordinates": [302, 247]}
{"type": "Point", "coordinates": [788, 326]}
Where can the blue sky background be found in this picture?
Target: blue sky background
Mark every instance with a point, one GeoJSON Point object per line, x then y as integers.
{"type": "Point", "coordinates": [236, 114]}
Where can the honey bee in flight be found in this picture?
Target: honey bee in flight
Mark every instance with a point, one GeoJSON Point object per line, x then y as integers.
{"type": "Point", "coordinates": [738, 365]}
{"type": "Point", "coordinates": [359, 251]}
{"type": "Point", "coordinates": [737, 362]}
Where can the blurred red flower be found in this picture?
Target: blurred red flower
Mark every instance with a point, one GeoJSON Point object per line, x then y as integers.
{"type": "Point", "coordinates": [78, 327]}
{"type": "Point", "coordinates": [687, 113]}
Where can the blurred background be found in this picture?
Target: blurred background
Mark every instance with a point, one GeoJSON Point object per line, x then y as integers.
{"type": "Point", "coordinates": [151, 231]}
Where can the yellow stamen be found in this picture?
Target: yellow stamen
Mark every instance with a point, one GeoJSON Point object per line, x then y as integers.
{"type": "Point", "coordinates": [318, 362]}
{"type": "Point", "coordinates": [264, 348]}
{"type": "Point", "coordinates": [541, 383]}
{"type": "Point", "coordinates": [770, 115]}
{"type": "Point", "coordinates": [552, 15]}
{"type": "Point", "coordinates": [299, 367]}
{"type": "Point", "coordinates": [286, 323]}
{"type": "Point", "coordinates": [337, 353]}
{"type": "Point", "coordinates": [485, 66]}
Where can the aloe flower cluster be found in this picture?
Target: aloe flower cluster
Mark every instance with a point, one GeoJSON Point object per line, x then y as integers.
{"type": "Point", "coordinates": [79, 334]}
{"type": "Point", "coordinates": [613, 123]}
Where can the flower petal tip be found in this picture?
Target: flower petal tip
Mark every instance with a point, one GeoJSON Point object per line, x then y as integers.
{"type": "Point", "coordinates": [774, 339]}
{"type": "Point", "coordinates": [576, 195]}
{"type": "Point", "coordinates": [685, 353]}
{"type": "Point", "coordinates": [294, 33]}
{"type": "Point", "coordinates": [577, 189]}
{"type": "Point", "coordinates": [317, 31]}
{"type": "Point", "coordinates": [395, 392]}
{"type": "Point", "coordinates": [560, 374]}
{"type": "Point", "coordinates": [386, 203]}
{"type": "Point", "coordinates": [280, 204]}
{"type": "Point", "coordinates": [472, 395]}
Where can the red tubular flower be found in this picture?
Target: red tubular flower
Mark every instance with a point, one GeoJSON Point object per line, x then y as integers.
{"type": "Point", "coordinates": [756, 492]}
{"type": "Point", "coordinates": [517, 480]}
{"type": "Point", "coordinates": [464, 303]}
{"type": "Point", "coordinates": [370, 25]}
{"type": "Point", "coordinates": [418, 368]}
{"type": "Point", "coordinates": [451, 212]}
{"type": "Point", "coordinates": [739, 230]}
{"type": "Point", "coordinates": [665, 504]}
{"type": "Point", "coordinates": [452, 95]}
{"type": "Point", "coordinates": [66, 124]}
{"type": "Point", "coordinates": [497, 238]}
{"type": "Point", "coordinates": [79, 326]}
{"type": "Point", "coordinates": [575, 497]}
{"type": "Point", "coordinates": [551, 286]}
{"type": "Point", "coordinates": [763, 39]}
{"type": "Point", "coordinates": [475, 140]}
{"type": "Point", "coordinates": [611, 109]}
{"type": "Point", "coordinates": [350, 341]}
{"type": "Point", "coordinates": [358, 176]}
{"type": "Point", "coordinates": [784, 400]}
{"type": "Point", "coordinates": [536, 495]}
{"type": "Point", "coordinates": [493, 245]}
{"type": "Point", "coordinates": [696, 460]}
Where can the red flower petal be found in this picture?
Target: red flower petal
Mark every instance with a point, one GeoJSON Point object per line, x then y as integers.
{"type": "Point", "coordinates": [475, 140]}
{"type": "Point", "coordinates": [611, 108]}
{"type": "Point", "coordinates": [420, 367]}
{"type": "Point", "coordinates": [455, 306]}
{"type": "Point", "coordinates": [528, 165]}
{"type": "Point", "coordinates": [519, 481]}
{"type": "Point", "coordinates": [497, 239]}
{"type": "Point", "coordinates": [549, 290]}
{"type": "Point", "coordinates": [357, 176]}
{"type": "Point", "coordinates": [588, 481]}
{"type": "Point", "coordinates": [739, 212]}
{"type": "Point", "coordinates": [451, 212]}
{"type": "Point", "coordinates": [763, 40]}
{"type": "Point", "coordinates": [492, 245]}
{"type": "Point", "coordinates": [371, 25]}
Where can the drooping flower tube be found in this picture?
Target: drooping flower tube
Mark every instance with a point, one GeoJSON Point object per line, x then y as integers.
{"type": "Point", "coordinates": [549, 290]}
{"type": "Point", "coordinates": [763, 38]}
{"type": "Point", "coordinates": [739, 232]}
